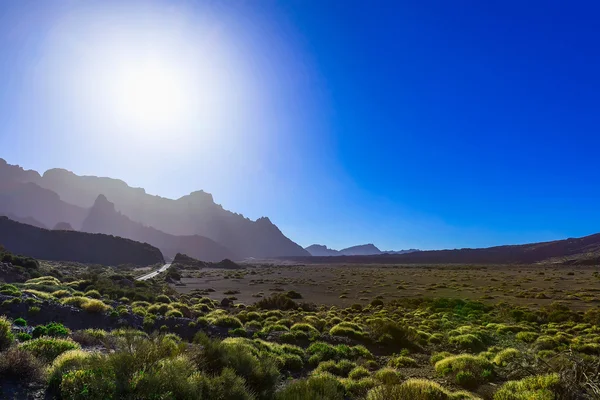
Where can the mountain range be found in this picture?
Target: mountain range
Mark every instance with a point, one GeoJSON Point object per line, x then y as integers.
{"type": "Point", "coordinates": [572, 251]}
{"type": "Point", "coordinates": [370, 249]}
{"type": "Point", "coordinates": [193, 224]}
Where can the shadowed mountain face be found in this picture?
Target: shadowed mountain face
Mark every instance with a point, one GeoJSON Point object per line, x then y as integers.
{"type": "Point", "coordinates": [104, 218]}
{"type": "Point", "coordinates": [28, 202]}
{"type": "Point", "coordinates": [193, 215]}
{"type": "Point", "coordinates": [75, 246]}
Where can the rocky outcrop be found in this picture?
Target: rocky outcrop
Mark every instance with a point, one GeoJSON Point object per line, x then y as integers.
{"type": "Point", "coordinates": [104, 218]}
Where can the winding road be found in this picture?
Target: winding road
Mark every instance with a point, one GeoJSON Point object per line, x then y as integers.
{"type": "Point", "coordinates": [154, 273]}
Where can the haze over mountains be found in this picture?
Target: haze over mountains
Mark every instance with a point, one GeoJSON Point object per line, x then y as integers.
{"type": "Point", "coordinates": [359, 250]}
{"type": "Point", "coordinates": [65, 245]}
{"type": "Point", "coordinates": [194, 224]}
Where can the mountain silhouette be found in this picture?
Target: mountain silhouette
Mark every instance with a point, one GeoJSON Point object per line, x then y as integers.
{"type": "Point", "coordinates": [26, 200]}
{"type": "Point", "coordinates": [573, 251]}
{"type": "Point", "coordinates": [62, 196]}
{"type": "Point", "coordinates": [319, 250]}
{"type": "Point", "coordinates": [63, 226]}
{"type": "Point", "coordinates": [104, 218]}
{"type": "Point", "coordinates": [75, 246]}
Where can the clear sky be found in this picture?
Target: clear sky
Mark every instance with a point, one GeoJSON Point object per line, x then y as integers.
{"type": "Point", "coordinates": [428, 124]}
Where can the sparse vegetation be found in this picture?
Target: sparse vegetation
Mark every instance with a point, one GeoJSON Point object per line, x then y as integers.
{"type": "Point", "coordinates": [277, 348]}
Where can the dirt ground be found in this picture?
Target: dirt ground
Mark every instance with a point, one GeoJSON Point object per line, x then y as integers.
{"type": "Point", "coordinates": [343, 285]}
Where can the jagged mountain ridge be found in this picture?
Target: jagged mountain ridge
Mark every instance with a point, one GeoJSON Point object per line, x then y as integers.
{"type": "Point", "coordinates": [104, 218]}
{"type": "Point", "coordinates": [194, 214]}
{"type": "Point", "coordinates": [370, 249]}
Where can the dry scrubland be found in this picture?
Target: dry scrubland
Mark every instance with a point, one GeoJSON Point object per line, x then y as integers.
{"type": "Point", "coordinates": [343, 285]}
{"type": "Point", "coordinates": [301, 332]}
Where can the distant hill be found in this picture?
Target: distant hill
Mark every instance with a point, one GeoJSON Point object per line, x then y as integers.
{"type": "Point", "coordinates": [24, 220]}
{"type": "Point", "coordinates": [70, 196]}
{"type": "Point", "coordinates": [28, 202]}
{"type": "Point", "coordinates": [579, 251]}
{"type": "Point", "coordinates": [75, 246]}
{"type": "Point", "coordinates": [63, 226]}
{"type": "Point", "coordinates": [321, 251]}
{"type": "Point", "coordinates": [360, 250]}
{"type": "Point", "coordinates": [187, 261]}
{"type": "Point", "coordinates": [103, 218]}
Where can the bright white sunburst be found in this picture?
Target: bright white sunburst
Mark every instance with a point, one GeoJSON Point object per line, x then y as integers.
{"type": "Point", "coordinates": [151, 94]}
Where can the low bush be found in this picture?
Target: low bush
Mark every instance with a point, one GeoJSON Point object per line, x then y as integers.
{"type": "Point", "coordinates": [6, 336]}
{"type": "Point", "coordinates": [542, 387]}
{"type": "Point", "coordinates": [388, 376]}
{"type": "Point", "coordinates": [415, 389]}
{"type": "Point", "coordinates": [402, 362]}
{"type": "Point", "coordinates": [318, 387]}
{"type": "Point", "coordinates": [48, 348]}
{"type": "Point", "coordinates": [472, 369]}
{"type": "Point", "coordinates": [65, 362]}
{"type": "Point", "coordinates": [21, 365]}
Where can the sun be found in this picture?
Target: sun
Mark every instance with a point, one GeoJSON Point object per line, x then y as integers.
{"type": "Point", "coordinates": [151, 94]}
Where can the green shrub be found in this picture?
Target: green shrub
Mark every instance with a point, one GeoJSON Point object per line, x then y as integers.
{"type": "Point", "coordinates": [358, 388]}
{"type": "Point", "coordinates": [539, 387]}
{"type": "Point", "coordinates": [94, 294]}
{"type": "Point", "coordinates": [48, 348]}
{"type": "Point", "coordinates": [56, 329]}
{"type": "Point", "coordinates": [527, 337]}
{"type": "Point", "coordinates": [90, 337]}
{"type": "Point", "coordinates": [415, 389]}
{"type": "Point", "coordinates": [505, 356]}
{"type": "Point", "coordinates": [39, 331]}
{"type": "Point", "coordinates": [388, 376]}
{"type": "Point", "coordinates": [478, 367]}
{"type": "Point", "coordinates": [95, 306]}
{"type": "Point", "coordinates": [65, 362]}
{"type": "Point", "coordinates": [304, 327]}
{"type": "Point", "coordinates": [346, 331]}
{"type": "Point", "coordinates": [88, 384]}
{"type": "Point", "coordinates": [174, 314]}
{"type": "Point", "coordinates": [6, 336]}
{"type": "Point", "coordinates": [161, 298]}
{"type": "Point", "coordinates": [467, 342]}
{"type": "Point", "coordinates": [359, 373]}
{"type": "Point", "coordinates": [277, 301]}
{"type": "Point", "coordinates": [402, 362]}
{"type": "Point", "coordinates": [438, 356]}
{"type": "Point", "coordinates": [341, 368]}
{"type": "Point", "coordinates": [20, 322]}
{"type": "Point", "coordinates": [318, 387]}
{"type": "Point", "coordinates": [23, 337]}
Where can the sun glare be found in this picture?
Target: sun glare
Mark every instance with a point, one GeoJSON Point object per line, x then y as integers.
{"type": "Point", "coordinates": [151, 94]}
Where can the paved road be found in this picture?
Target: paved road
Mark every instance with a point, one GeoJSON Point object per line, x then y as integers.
{"type": "Point", "coordinates": [153, 274]}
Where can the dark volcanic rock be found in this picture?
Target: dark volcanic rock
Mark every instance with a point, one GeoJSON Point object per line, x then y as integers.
{"type": "Point", "coordinates": [75, 246]}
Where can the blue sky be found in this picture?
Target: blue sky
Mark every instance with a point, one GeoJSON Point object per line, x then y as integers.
{"type": "Point", "coordinates": [428, 124]}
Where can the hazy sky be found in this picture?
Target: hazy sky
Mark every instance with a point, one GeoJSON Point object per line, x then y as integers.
{"type": "Point", "coordinates": [428, 124]}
